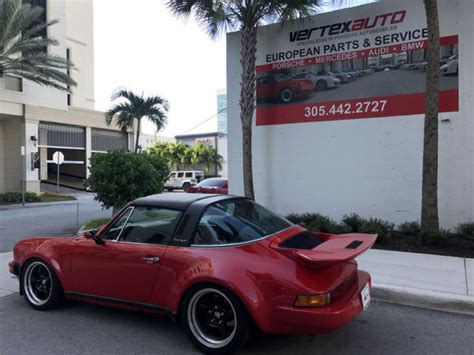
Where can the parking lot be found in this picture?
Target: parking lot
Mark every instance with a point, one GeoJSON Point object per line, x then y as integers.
{"type": "Point", "coordinates": [79, 328]}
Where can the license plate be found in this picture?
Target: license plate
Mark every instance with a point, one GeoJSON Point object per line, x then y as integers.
{"type": "Point", "coordinates": [365, 296]}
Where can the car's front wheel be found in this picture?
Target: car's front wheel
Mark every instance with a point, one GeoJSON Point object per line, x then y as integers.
{"type": "Point", "coordinates": [215, 319]}
{"type": "Point", "coordinates": [40, 286]}
{"type": "Point", "coordinates": [287, 95]}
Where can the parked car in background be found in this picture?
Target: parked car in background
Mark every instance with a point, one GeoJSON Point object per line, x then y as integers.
{"type": "Point", "coordinates": [343, 77]}
{"type": "Point", "coordinates": [279, 87]}
{"type": "Point", "coordinates": [183, 179]}
{"type": "Point", "coordinates": [221, 265]}
{"type": "Point", "coordinates": [211, 186]}
{"type": "Point", "coordinates": [325, 80]}
{"type": "Point", "coordinates": [451, 67]}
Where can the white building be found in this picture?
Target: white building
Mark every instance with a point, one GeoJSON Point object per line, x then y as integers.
{"type": "Point", "coordinates": [45, 120]}
{"type": "Point", "coordinates": [308, 157]}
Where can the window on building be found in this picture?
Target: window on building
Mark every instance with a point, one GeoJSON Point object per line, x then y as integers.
{"type": "Point", "coordinates": [13, 83]}
{"type": "Point", "coordinates": [68, 57]}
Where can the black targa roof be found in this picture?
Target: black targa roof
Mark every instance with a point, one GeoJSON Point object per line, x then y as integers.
{"type": "Point", "coordinates": [175, 200]}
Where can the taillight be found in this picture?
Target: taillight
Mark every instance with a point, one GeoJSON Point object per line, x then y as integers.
{"type": "Point", "coordinates": [313, 300]}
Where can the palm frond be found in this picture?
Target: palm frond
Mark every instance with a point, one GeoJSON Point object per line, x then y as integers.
{"type": "Point", "coordinates": [23, 49]}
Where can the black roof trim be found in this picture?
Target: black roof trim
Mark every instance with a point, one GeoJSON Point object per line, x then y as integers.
{"type": "Point", "coordinates": [175, 200]}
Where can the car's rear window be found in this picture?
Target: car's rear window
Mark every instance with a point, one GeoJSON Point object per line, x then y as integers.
{"type": "Point", "coordinates": [212, 183]}
{"type": "Point", "coordinates": [237, 221]}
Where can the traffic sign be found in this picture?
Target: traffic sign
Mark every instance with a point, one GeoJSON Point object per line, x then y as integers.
{"type": "Point", "coordinates": [58, 158]}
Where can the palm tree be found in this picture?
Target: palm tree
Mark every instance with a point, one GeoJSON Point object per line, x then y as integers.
{"type": "Point", "coordinates": [219, 15]}
{"type": "Point", "coordinates": [24, 48]}
{"type": "Point", "coordinates": [429, 199]}
{"type": "Point", "coordinates": [136, 107]}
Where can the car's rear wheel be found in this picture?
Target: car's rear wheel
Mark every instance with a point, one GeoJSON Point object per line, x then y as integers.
{"type": "Point", "coordinates": [169, 189]}
{"type": "Point", "coordinates": [215, 319]}
{"type": "Point", "coordinates": [40, 286]}
{"type": "Point", "coordinates": [186, 186]}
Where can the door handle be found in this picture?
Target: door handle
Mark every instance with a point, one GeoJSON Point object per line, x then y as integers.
{"type": "Point", "coordinates": [151, 259]}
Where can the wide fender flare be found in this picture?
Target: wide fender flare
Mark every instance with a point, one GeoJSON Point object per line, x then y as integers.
{"type": "Point", "coordinates": [247, 291]}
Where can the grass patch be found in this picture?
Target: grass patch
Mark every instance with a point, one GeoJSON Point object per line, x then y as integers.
{"type": "Point", "coordinates": [50, 197]}
{"type": "Point", "coordinates": [95, 223]}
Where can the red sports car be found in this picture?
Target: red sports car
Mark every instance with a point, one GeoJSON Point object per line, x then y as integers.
{"type": "Point", "coordinates": [279, 87]}
{"type": "Point", "coordinates": [211, 186]}
{"type": "Point", "coordinates": [218, 263]}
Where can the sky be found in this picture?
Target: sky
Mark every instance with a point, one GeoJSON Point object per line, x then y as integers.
{"type": "Point", "coordinates": [141, 46]}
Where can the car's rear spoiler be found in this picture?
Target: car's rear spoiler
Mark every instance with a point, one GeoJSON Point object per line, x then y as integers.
{"type": "Point", "coordinates": [333, 248]}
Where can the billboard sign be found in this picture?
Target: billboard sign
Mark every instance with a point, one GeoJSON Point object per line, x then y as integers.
{"type": "Point", "coordinates": [363, 62]}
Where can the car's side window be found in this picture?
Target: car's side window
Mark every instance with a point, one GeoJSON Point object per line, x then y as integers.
{"type": "Point", "coordinates": [116, 228]}
{"type": "Point", "coordinates": [150, 225]}
{"type": "Point", "coordinates": [236, 221]}
{"type": "Point", "coordinates": [189, 174]}
{"type": "Point", "coordinates": [180, 175]}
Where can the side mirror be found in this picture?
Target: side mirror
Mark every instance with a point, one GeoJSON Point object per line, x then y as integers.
{"type": "Point", "coordinates": [92, 234]}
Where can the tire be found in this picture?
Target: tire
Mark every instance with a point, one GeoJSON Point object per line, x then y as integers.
{"type": "Point", "coordinates": [40, 285]}
{"type": "Point", "coordinates": [169, 189]}
{"type": "Point", "coordinates": [203, 312]}
{"type": "Point", "coordinates": [186, 186]}
{"type": "Point", "coordinates": [321, 85]}
{"type": "Point", "coordinates": [286, 95]}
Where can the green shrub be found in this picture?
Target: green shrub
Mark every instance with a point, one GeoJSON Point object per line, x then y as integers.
{"type": "Point", "coordinates": [317, 222]}
{"type": "Point", "coordinates": [435, 238]}
{"type": "Point", "coordinates": [15, 197]}
{"type": "Point", "coordinates": [353, 221]}
{"type": "Point", "coordinates": [118, 177]}
{"type": "Point", "coordinates": [466, 229]}
{"type": "Point", "coordinates": [410, 228]}
{"type": "Point", "coordinates": [379, 226]}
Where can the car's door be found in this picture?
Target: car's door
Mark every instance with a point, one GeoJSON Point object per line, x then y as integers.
{"type": "Point", "coordinates": [125, 267]}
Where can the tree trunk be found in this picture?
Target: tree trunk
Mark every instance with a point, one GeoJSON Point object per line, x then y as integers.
{"type": "Point", "coordinates": [247, 102]}
{"type": "Point", "coordinates": [429, 199]}
{"type": "Point", "coordinates": [138, 135]}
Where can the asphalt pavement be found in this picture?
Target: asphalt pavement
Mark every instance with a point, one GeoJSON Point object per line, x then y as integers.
{"type": "Point", "coordinates": [47, 219]}
{"type": "Point", "coordinates": [80, 328]}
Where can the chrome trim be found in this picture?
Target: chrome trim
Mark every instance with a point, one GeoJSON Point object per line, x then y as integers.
{"type": "Point", "coordinates": [239, 243]}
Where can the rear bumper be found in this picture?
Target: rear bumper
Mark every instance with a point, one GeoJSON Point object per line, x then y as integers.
{"type": "Point", "coordinates": [324, 319]}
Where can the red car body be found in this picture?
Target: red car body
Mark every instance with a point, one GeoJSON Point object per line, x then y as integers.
{"type": "Point", "coordinates": [211, 186]}
{"type": "Point", "coordinates": [271, 87]}
{"type": "Point", "coordinates": [266, 275]}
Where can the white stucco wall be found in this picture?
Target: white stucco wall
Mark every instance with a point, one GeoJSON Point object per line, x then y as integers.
{"type": "Point", "coordinates": [369, 166]}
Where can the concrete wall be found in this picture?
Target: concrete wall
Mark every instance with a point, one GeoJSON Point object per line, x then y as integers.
{"type": "Point", "coordinates": [10, 155]}
{"type": "Point", "coordinates": [369, 166]}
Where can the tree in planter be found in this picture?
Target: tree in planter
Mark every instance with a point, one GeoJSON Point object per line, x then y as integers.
{"type": "Point", "coordinates": [429, 199]}
{"type": "Point", "coordinates": [220, 15]}
{"type": "Point", "coordinates": [24, 47]}
{"type": "Point", "coordinates": [136, 107]}
{"type": "Point", "coordinates": [118, 177]}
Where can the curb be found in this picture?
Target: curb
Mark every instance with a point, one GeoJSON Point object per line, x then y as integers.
{"type": "Point", "coordinates": [37, 204]}
{"type": "Point", "coordinates": [440, 301]}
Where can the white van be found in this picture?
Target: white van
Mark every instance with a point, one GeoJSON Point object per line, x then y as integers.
{"type": "Point", "coordinates": [183, 179]}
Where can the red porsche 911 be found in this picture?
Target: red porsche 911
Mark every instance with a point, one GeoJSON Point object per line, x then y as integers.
{"type": "Point", "coordinates": [220, 264]}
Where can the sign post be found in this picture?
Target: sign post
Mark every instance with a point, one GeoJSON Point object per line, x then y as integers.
{"type": "Point", "coordinates": [58, 158]}
{"type": "Point", "coordinates": [23, 184]}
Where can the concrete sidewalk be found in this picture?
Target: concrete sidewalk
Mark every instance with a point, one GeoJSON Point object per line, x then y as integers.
{"type": "Point", "coordinates": [429, 281]}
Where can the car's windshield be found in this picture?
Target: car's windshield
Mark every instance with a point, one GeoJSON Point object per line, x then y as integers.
{"type": "Point", "coordinates": [279, 77]}
{"type": "Point", "coordinates": [212, 183]}
{"type": "Point", "coordinates": [236, 221]}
